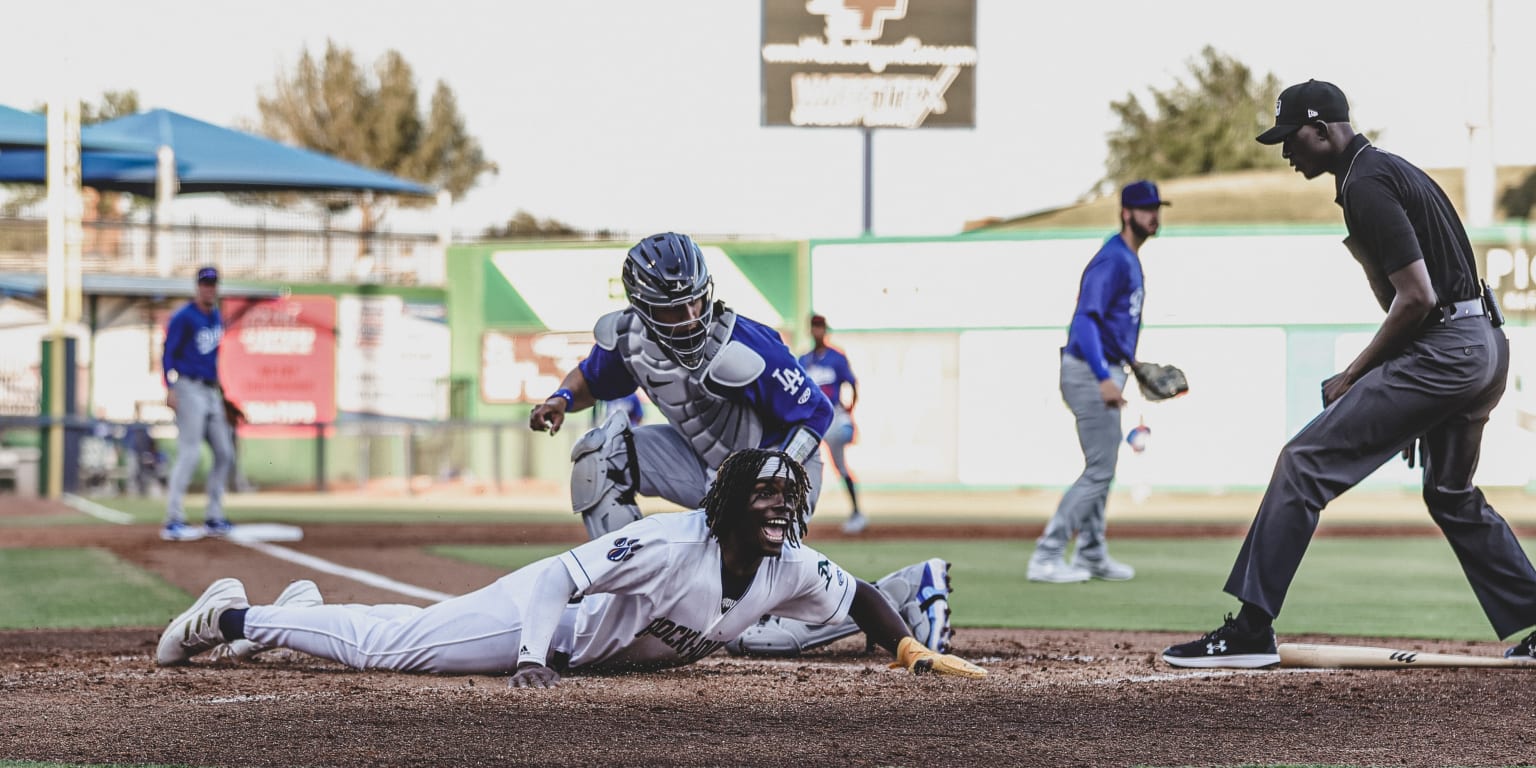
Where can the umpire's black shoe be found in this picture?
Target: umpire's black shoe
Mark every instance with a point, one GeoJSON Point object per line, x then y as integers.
{"type": "Point", "coordinates": [1525, 650]}
{"type": "Point", "coordinates": [1226, 646]}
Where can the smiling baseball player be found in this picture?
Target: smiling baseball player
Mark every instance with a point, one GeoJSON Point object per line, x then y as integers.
{"type": "Point", "coordinates": [662, 592]}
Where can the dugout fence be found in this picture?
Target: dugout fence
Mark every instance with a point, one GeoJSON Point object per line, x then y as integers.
{"type": "Point", "coordinates": [378, 455]}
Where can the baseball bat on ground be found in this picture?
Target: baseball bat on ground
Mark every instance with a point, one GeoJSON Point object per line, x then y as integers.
{"type": "Point", "coordinates": [1370, 657]}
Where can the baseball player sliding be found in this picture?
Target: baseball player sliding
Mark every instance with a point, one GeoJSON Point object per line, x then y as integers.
{"type": "Point", "coordinates": [661, 592]}
{"type": "Point", "coordinates": [724, 382]}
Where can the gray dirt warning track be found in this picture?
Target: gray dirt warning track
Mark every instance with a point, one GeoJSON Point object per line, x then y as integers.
{"type": "Point", "coordinates": [1053, 697]}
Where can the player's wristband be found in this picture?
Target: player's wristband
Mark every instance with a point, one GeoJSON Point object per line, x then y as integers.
{"type": "Point", "coordinates": [801, 444]}
{"type": "Point", "coordinates": [566, 395]}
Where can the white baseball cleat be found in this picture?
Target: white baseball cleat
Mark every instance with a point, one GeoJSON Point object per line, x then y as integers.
{"type": "Point", "coordinates": [856, 524]}
{"type": "Point", "coordinates": [920, 593]}
{"type": "Point", "coordinates": [1055, 570]}
{"type": "Point", "coordinates": [300, 594]}
{"type": "Point", "coordinates": [197, 628]}
{"type": "Point", "coordinates": [1106, 568]}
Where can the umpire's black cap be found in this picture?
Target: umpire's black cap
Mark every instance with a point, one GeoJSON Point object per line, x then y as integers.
{"type": "Point", "coordinates": [1304, 103]}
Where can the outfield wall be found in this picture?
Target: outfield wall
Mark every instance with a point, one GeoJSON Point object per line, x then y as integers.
{"type": "Point", "coordinates": [957, 342]}
{"type": "Point", "coordinates": [956, 339]}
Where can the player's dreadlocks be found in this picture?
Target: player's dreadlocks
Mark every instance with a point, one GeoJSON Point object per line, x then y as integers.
{"type": "Point", "coordinates": [734, 483]}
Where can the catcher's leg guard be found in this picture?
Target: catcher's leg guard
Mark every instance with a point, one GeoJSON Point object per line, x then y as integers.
{"type": "Point", "coordinates": [777, 636]}
{"type": "Point", "coordinates": [919, 593]}
{"type": "Point", "coordinates": [604, 476]}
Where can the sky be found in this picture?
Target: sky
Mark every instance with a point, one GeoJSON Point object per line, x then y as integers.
{"type": "Point", "coordinates": [645, 116]}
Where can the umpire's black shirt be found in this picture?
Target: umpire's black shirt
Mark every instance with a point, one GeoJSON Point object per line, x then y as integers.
{"type": "Point", "coordinates": [1397, 215]}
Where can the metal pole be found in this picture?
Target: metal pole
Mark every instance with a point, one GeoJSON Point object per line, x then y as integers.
{"type": "Point", "coordinates": [165, 190]}
{"type": "Point", "coordinates": [320, 484]}
{"type": "Point", "coordinates": [869, 186]}
{"type": "Point", "coordinates": [496, 455]}
{"type": "Point", "coordinates": [65, 206]}
{"type": "Point", "coordinates": [410, 446]}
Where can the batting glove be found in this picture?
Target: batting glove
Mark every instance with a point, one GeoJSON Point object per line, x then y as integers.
{"type": "Point", "coordinates": [918, 658]}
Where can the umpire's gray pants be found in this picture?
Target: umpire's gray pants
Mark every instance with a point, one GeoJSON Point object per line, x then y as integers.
{"type": "Point", "coordinates": [670, 469]}
{"type": "Point", "coordinates": [1081, 510]}
{"type": "Point", "coordinates": [199, 417]}
{"type": "Point", "coordinates": [1440, 389]}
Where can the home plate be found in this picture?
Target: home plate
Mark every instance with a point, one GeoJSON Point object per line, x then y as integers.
{"type": "Point", "coordinates": [265, 532]}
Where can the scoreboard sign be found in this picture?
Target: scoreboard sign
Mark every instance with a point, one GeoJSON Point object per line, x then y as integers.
{"type": "Point", "coordinates": [869, 63]}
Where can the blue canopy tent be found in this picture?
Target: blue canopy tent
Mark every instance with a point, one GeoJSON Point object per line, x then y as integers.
{"type": "Point", "coordinates": [29, 131]}
{"type": "Point", "coordinates": [209, 158]}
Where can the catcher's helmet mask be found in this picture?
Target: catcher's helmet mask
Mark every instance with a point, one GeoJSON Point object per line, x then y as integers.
{"type": "Point", "coordinates": [667, 272]}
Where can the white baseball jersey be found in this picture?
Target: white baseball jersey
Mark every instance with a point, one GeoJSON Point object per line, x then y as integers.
{"type": "Point", "coordinates": [650, 593]}
{"type": "Point", "coordinates": [653, 595]}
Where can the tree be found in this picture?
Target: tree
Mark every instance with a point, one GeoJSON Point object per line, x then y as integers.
{"type": "Point", "coordinates": [1204, 125]}
{"type": "Point", "coordinates": [332, 105]}
{"type": "Point", "coordinates": [525, 225]}
{"type": "Point", "coordinates": [1517, 201]}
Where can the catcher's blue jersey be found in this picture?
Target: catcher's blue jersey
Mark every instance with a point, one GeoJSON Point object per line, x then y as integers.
{"type": "Point", "coordinates": [1107, 322]}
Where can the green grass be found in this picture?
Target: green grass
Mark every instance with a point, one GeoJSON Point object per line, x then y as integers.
{"type": "Point", "coordinates": [85, 588]}
{"type": "Point", "coordinates": [148, 510]}
{"type": "Point", "coordinates": [1388, 587]}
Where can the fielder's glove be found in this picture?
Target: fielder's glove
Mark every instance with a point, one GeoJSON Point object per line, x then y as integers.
{"type": "Point", "coordinates": [916, 657]}
{"type": "Point", "coordinates": [1160, 382]}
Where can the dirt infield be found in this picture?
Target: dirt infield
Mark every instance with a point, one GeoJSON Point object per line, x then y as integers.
{"type": "Point", "coordinates": [1052, 698]}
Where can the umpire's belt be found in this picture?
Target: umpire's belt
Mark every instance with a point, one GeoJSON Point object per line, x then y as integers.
{"type": "Point", "coordinates": [1445, 313]}
{"type": "Point", "coordinates": [200, 380]}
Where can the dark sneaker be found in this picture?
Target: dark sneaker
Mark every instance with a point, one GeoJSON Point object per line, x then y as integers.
{"type": "Point", "coordinates": [1525, 650]}
{"type": "Point", "coordinates": [1226, 646]}
{"type": "Point", "coordinates": [218, 527]}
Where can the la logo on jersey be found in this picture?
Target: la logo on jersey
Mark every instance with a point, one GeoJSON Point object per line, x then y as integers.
{"type": "Point", "coordinates": [623, 549]}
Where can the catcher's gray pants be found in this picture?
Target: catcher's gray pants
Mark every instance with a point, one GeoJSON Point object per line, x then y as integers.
{"type": "Point", "coordinates": [1440, 390]}
{"type": "Point", "coordinates": [199, 416]}
{"type": "Point", "coordinates": [838, 436]}
{"type": "Point", "coordinates": [670, 469]}
{"type": "Point", "coordinates": [1081, 510]}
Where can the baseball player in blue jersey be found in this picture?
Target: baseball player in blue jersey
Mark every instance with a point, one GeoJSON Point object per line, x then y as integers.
{"type": "Point", "coordinates": [660, 592]}
{"type": "Point", "coordinates": [1100, 344]}
{"type": "Point", "coordinates": [724, 383]}
{"type": "Point", "coordinates": [828, 367]}
{"type": "Point", "coordinates": [191, 359]}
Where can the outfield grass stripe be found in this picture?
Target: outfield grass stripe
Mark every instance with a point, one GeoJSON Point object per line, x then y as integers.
{"type": "Point", "coordinates": [356, 574]}
{"type": "Point", "coordinates": [95, 510]}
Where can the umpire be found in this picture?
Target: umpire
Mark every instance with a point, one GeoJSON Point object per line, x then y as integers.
{"type": "Point", "coordinates": [1429, 377]}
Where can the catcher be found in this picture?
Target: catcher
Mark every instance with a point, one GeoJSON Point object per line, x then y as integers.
{"type": "Point", "coordinates": [661, 592]}
{"type": "Point", "coordinates": [1101, 343]}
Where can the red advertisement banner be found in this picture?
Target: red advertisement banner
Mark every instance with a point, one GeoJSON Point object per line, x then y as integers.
{"type": "Point", "coordinates": [278, 363]}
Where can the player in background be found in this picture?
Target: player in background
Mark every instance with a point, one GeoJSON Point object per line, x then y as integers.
{"type": "Point", "coordinates": [723, 382]}
{"type": "Point", "coordinates": [191, 360]}
{"type": "Point", "coordinates": [661, 592]}
{"type": "Point", "coordinates": [828, 367]}
{"type": "Point", "coordinates": [1101, 342]}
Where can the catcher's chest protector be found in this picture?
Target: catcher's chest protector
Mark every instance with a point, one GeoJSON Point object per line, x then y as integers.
{"type": "Point", "coordinates": [714, 426]}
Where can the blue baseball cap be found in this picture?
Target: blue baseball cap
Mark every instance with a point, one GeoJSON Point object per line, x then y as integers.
{"type": "Point", "coordinates": [207, 275]}
{"type": "Point", "coordinates": [1141, 194]}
